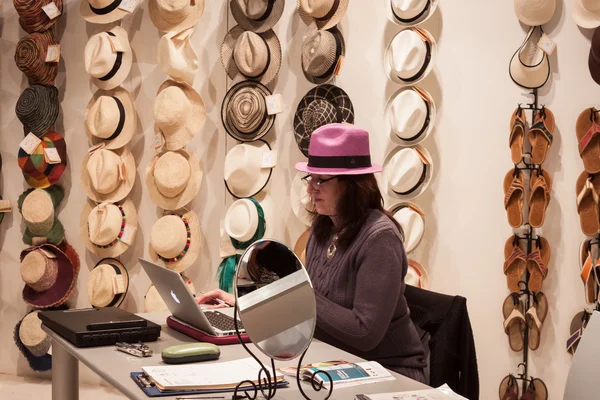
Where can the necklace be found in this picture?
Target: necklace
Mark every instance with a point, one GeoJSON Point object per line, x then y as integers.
{"type": "Point", "coordinates": [332, 247]}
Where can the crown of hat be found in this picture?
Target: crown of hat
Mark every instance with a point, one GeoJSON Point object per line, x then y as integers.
{"type": "Point", "coordinates": [318, 52]}
{"type": "Point", "coordinates": [100, 3]}
{"type": "Point", "coordinates": [35, 102]}
{"type": "Point", "coordinates": [103, 170]}
{"type": "Point", "coordinates": [408, 51]}
{"type": "Point", "coordinates": [168, 236]}
{"type": "Point", "coordinates": [406, 168]}
{"type": "Point", "coordinates": [247, 109]}
{"type": "Point", "coordinates": [408, 112]}
{"type": "Point", "coordinates": [253, 9]}
{"type": "Point", "coordinates": [241, 164]}
{"type": "Point", "coordinates": [177, 58]}
{"type": "Point", "coordinates": [590, 5]}
{"type": "Point", "coordinates": [100, 285]}
{"type": "Point", "coordinates": [319, 113]}
{"type": "Point", "coordinates": [316, 8]}
{"type": "Point", "coordinates": [172, 173]}
{"type": "Point", "coordinates": [241, 220]}
{"type": "Point", "coordinates": [39, 270]}
{"type": "Point", "coordinates": [408, 8]}
{"type": "Point", "coordinates": [103, 118]}
{"type": "Point", "coordinates": [250, 54]}
{"type": "Point", "coordinates": [104, 224]}
{"type": "Point", "coordinates": [99, 56]}
{"type": "Point", "coordinates": [339, 140]}
{"type": "Point", "coordinates": [171, 109]}
{"type": "Point", "coordinates": [38, 211]}
{"type": "Point", "coordinates": [174, 11]}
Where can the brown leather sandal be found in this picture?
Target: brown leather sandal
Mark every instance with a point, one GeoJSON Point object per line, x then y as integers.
{"type": "Point", "coordinates": [537, 264]}
{"type": "Point", "coordinates": [513, 197]}
{"type": "Point", "coordinates": [541, 135]}
{"type": "Point", "coordinates": [540, 187]}
{"type": "Point", "coordinates": [518, 127]}
{"type": "Point", "coordinates": [514, 263]}
{"type": "Point", "coordinates": [587, 129]}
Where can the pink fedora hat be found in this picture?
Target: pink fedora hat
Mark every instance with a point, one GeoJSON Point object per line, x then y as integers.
{"type": "Point", "coordinates": [339, 149]}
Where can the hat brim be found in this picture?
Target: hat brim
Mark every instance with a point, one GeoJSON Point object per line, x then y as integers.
{"type": "Point", "coordinates": [130, 124]}
{"type": "Point", "coordinates": [195, 242]}
{"type": "Point", "coordinates": [90, 16]}
{"type": "Point", "coordinates": [52, 173]}
{"type": "Point", "coordinates": [126, 62]}
{"type": "Point", "coordinates": [420, 188]}
{"type": "Point", "coordinates": [430, 64]}
{"type": "Point", "coordinates": [118, 298]}
{"type": "Point", "coordinates": [257, 26]}
{"type": "Point", "coordinates": [195, 118]}
{"type": "Point", "coordinates": [119, 247]}
{"type": "Point", "coordinates": [585, 18]}
{"type": "Point", "coordinates": [298, 192]}
{"type": "Point", "coordinates": [258, 184]}
{"type": "Point", "coordinates": [124, 187]}
{"type": "Point", "coordinates": [339, 38]}
{"type": "Point", "coordinates": [228, 46]}
{"type": "Point", "coordinates": [54, 236]}
{"type": "Point", "coordinates": [328, 23]}
{"type": "Point", "coordinates": [529, 78]}
{"type": "Point", "coordinates": [303, 167]}
{"type": "Point", "coordinates": [300, 246]}
{"type": "Point", "coordinates": [188, 193]}
{"type": "Point", "coordinates": [165, 26]}
{"type": "Point", "coordinates": [430, 120]}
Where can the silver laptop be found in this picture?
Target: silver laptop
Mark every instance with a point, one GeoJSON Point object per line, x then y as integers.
{"type": "Point", "coordinates": [183, 306]}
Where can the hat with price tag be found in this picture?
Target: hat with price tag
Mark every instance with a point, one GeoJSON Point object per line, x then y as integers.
{"type": "Point", "coordinates": [322, 54]}
{"type": "Point", "coordinates": [108, 58]}
{"type": "Point", "coordinates": [586, 13]}
{"type": "Point", "coordinates": [535, 12]}
{"type": "Point", "coordinates": [39, 170]}
{"type": "Point", "coordinates": [38, 208]}
{"type": "Point", "coordinates": [244, 173]}
{"type": "Point", "coordinates": [107, 284]}
{"type": "Point", "coordinates": [301, 202]}
{"type": "Point", "coordinates": [110, 118]}
{"type": "Point", "coordinates": [410, 12]}
{"type": "Point", "coordinates": [33, 342]}
{"type": "Point", "coordinates": [175, 15]}
{"type": "Point", "coordinates": [176, 56]}
{"type": "Point", "coordinates": [108, 175]}
{"type": "Point", "coordinates": [256, 15]}
{"type": "Point", "coordinates": [410, 56]}
{"type": "Point", "coordinates": [37, 108]}
{"type": "Point", "coordinates": [154, 303]}
{"type": "Point", "coordinates": [32, 16]}
{"type": "Point", "coordinates": [104, 11]}
{"type": "Point", "coordinates": [108, 229]}
{"type": "Point", "coordinates": [410, 217]}
{"type": "Point", "coordinates": [325, 13]}
{"type": "Point", "coordinates": [30, 57]}
{"type": "Point", "coordinates": [407, 172]}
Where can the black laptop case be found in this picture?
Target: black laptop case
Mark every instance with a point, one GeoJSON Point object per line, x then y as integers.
{"type": "Point", "coordinates": [112, 325]}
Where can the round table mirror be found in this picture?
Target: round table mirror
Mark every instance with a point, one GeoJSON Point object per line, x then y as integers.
{"type": "Point", "coordinates": [275, 299]}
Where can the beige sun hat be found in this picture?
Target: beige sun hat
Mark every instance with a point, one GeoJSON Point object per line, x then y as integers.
{"type": "Point", "coordinates": [175, 15]}
{"type": "Point", "coordinates": [108, 229]}
{"type": "Point", "coordinates": [534, 12]}
{"type": "Point", "coordinates": [586, 13]}
{"type": "Point", "coordinates": [244, 175]}
{"type": "Point", "coordinates": [110, 118]}
{"type": "Point", "coordinates": [255, 56]}
{"type": "Point", "coordinates": [300, 199]}
{"type": "Point", "coordinates": [410, 56]}
{"type": "Point", "coordinates": [326, 13]}
{"type": "Point", "coordinates": [108, 68]}
{"type": "Point", "coordinates": [38, 208]}
{"type": "Point", "coordinates": [174, 178]}
{"type": "Point", "coordinates": [175, 240]}
{"type": "Point", "coordinates": [256, 15]}
{"type": "Point", "coordinates": [33, 336]}
{"type": "Point", "coordinates": [407, 172]}
{"type": "Point", "coordinates": [176, 56]}
{"type": "Point", "coordinates": [108, 175]}
{"type": "Point", "coordinates": [179, 113]}
{"type": "Point", "coordinates": [101, 11]}
{"type": "Point", "coordinates": [107, 283]}
{"type": "Point", "coordinates": [244, 222]}
{"type": "Point", "coordinates": [154, 303]}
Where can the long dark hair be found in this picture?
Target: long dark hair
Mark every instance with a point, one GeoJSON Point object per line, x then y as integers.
{"type": "Point", "coordinates": [361, 195]}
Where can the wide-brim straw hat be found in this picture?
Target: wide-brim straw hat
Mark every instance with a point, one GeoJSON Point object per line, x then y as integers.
{"type": "Point", "coordinates": [109, 166]}
{"type": "Point", "coordinates": [39, 210]}
{"type": "Point", "coordinates": [100, 58]}
{"type": "Point", "coordinates": [32, 17]}
{"type": "Point", "coordinates": [300, 200]}
{"type": "Point", "coordinates": [30, 57]}
{"type": "Point", "coordinates": [160, 173]}
{"type": "Point", "coordinates": [182, 19]}
{"type": "Point", "coordinates": [530, 66]}
{"type": "Point", "coordinates": [248, 17]}
{"type": "Point", "coordinates": [107, 284]}
{"type": "Point", "coordinates": [180, 228]}
{"type": "Point", "coordinates": [154, 303]}
{"type": "Point", "coordinates": [176, 56]}
{"type": "Point", "coordinates": [329, 17]}
{"type": "Point", "coordinates": [410, 13]}
{"type": "Point", "coordinates": [38, 173]}
{"type": "Point", "coordinates": [111, 224]}
{"type": "Point", "coordinates": [407, 172]}
{"type": "Point", "coordinates": [411, 219]}
{"type": "Point", "coordinates": [37, 108]}
{"type": "Point", "coordinates": [273, 56]}
{"type": "Point", "coordinates": [37, 342]}
{"type": "Point", "coordinates": [243, 173]}
{"type": "Point", "coordinates": [586, 13]}
{"type": "Point", "coordinates": [101, 114]}
{"type": "Point", "coordinates": [101, 11]}
{"type": "Point", "coordinates": [300, 246]}
{"type": "Point", "coordinates": [534, 12]}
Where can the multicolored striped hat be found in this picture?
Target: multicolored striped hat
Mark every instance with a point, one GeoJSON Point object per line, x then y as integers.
{"type": "Point", "coordinates": [38, 172]}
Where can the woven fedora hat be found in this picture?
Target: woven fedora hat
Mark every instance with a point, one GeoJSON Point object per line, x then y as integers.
{"type": "Point", "coordinates": [534, 12]}
{"type": "Point", "coordinates": [300, 199]}
{"type": "Point", "coordinates": [38, 208]}
{"type": "Point", "coordinates": [321, 51]}
{"type": "Point", "coordinates": [410, 56]}
{"type": "Point", "coordinates": [322, 105]}
{"type": "Point", "coordinates": [410, 12]}
{"type": "Point", "coordinates": [110, 118]}
{"type": "Point", "coordinates": [256, 15]}
{"type": "Point", "coordinates": [107, 284]}
{"type": "Point", "coordinates": [179, 113]}
{"type": "Point", "coordinates": [174, 178]}
{"type": "Point", "coordinates": [586, 13]}
{"type": "Point", "coordinates": [175, 240]}
{"type": "Point", "coordinates": [38, 173]}
{"type": "Point", "coordinates": [49, 275]}
{"type": "Point", "coordinates": [107, 68]}
{"type": "Point", "coordinates": [108, 175]}
{"type": "Point", "coordinates": [411, 115]}
{"type": "Point", "coordinates": [254, 56]}
{"type": "Point", "coordinates": [108, 229]}
{"type": "Point", "coordinates": [32, 17]}
{"type": "Point", "coordinates": [411, 219]}
{"type": "Point", "coordinates": [101, 11]}
{"type": "Point", "coordinates": [244, 111]}
{"type": "Point", "coordinates": [325, 13]}
{"type": "Point", "coordinates": [175, 15]}
{"type": "Point", "coordinates": [176, 56]}
{"type": "Point", "coordinates": [154, 303]}
{"type": "Point", "coordinates": [407, 172]}
{"type": "Point", "coordinates": [244, 175]}
{"type": "Point", "coordinates": [37, 108]}
{"type": "Point", "coordinates": [594, 57]}
{"type": "Point", "coordinates": [30, 57]}
{"type": "Point", "coordinates": [300, 246]}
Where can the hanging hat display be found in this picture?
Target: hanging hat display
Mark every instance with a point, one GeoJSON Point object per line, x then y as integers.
{"type": "Point", "coordinates": [411, 115]}
{"type": "Point", "coordinates": [107, 284]}
{"type": "Point", "coordinates": [244, 175]}
{"type": "Point", "coordinates": [38, 208]}
{"type": "Point", "coordinates": [108, 175]}
{"type": "Point", "coordinates": [37, 108]}
{"type": "Point", "coordinates": [38, 171]}
{"type": "Point", "coordinates": [30, 57]}
{"type": "Point", "coordinates": [321, 53]}
{"type": "Point", "coordinates": [407, 172]}
{"type": "Point", "coordinates": [410, 56]}
{"type": "Point", "coordinates": [175, 15]}
{"type": "Point", "coordinates": [101, 11]}
{"type": "Point", "coordinates": [256, 15]}
{"type": "Point", "coordinates": [325, 13]}
{"type": "Point", "coordinates": [32, 17]}
{"type": "Point", "coordinates": [108, 58]}
{"type": "Point", "coordinates": [33, 342]}
{"type": "Point", "coordinates": [176, 56]}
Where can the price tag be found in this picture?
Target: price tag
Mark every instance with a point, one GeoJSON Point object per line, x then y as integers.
{"type": "Point", "coordinates": [30, 143]}
{"type": "Point", "coordinates": [546, 44]}
{"type": "Point", "coordinates": [128, 234]}
{"type": "Point", "coordinates": [50, 350]}
{"type": "Point", "coordinates": [53, 53]}
{"type": "Point", "coordinates": [118, 282]}
{"type": "Point", "coordinates": [274, 104]}
{"type": "Point", "coordinates": [115, 44]}
{"type": "Point", "coordinates": [128, 5]}
{"type": "Point", "coordinates": [5, 206]}
{"type": "Point", "coordinates": [51, 10]}
{"type": "Point", "coordinates": [269, 159]}
{"type": "Point", "coordinates": [159, 140]}
{"type": "Point", "coordinates": [96, 147]}
{"type": "Point", "coordinates": [51, 155]}
{"type": "Point", "coordinates": [338, 66]}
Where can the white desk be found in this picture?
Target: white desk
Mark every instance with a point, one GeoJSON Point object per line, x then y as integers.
{"type": "Point", "coordinates": [115, 366]}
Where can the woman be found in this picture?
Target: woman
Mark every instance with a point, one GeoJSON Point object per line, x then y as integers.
{"type": "Point", "coordinates": [354, 256]}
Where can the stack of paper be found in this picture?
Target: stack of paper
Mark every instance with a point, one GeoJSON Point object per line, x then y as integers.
{"type": "Point", "coordinates": [442, 393]}
{"type": "Point", "coordinates": [346, 374]}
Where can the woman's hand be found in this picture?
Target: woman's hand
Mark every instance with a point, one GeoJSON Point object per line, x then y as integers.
{"type": "Point", "coordinates": [209, 299]}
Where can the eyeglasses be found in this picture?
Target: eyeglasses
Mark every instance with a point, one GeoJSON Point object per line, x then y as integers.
{"type": "Point", "coordinates": [316, 182]}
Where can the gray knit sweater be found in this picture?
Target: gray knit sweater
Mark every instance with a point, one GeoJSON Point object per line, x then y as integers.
{"type": "Point", "coordinates": [360, 296]}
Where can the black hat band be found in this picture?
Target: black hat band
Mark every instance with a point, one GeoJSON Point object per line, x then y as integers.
{"type": "Point", "coordinates": [116, 65]}
{"type": "Point", "coordinates": [105, 10]}
{"type": "Point", "coordinates": [348, 162]}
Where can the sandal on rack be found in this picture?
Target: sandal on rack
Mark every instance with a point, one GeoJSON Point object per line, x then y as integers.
{"type": "Point", "coordinates": [540, 135]}
{"type": "Point", "coordinates": [587, 129]}
{"type": "Point", "coordinates": [578, 324]}
{"type": "Point", "coordinates": [509, 389]}
{"type": "Point", "coordinates": [514, 321]}
{"type": "Point", "coordinates": [588, 271]}
{"type": "Point", "coordinates": [588, 203]}
{"type": "Point", "coordinates": [537, 264]}
{"type": "Point", "coordinates": [514, 263]}
{"type": "Point", "coordinates": [518, 127]}
{"type": "Point", "coordinates": [537, 390]}
{"type": "Point", "coordinates": [536, 315]}
{"type": "Point", "coordinates": [513, 197]}
{"type": "Point", "coordinates": [541, 186]}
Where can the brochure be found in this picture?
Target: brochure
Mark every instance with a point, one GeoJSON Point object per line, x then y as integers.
{"type": "Point", "coordinates": [343, 373]}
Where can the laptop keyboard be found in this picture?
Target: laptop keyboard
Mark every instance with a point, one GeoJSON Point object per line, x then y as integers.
{"type": "Point", "coordinates": [221, 321]}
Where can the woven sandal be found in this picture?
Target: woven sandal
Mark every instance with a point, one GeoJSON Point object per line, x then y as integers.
{"type": "Point", "coordinates": [513, 197]}
{"type": "Point", "coordinates": [514, 322]}
{"type": "Point", "coordinates": [578, 324]}
{"type": "Point", "coordinates": [509, 390]}
{"type": "Point", "coordinates": [514, 263]}
{"type": "Point", "coordinates": [536, 315]}
{"type": "Point", "coordinates": [518, 124]}
{"type": "Point", "coordinates": [588, 271]}
{"type": "Point", "coordinates": [587, 204]}
{"type": "Point", "coordinates": [540, 135]}
{"type": "Point", "coordinates": [587, 130]}
{"type": "Point", "coordinates": [541, 186]}
{"type": "Point", "coordinates": [537, 264]}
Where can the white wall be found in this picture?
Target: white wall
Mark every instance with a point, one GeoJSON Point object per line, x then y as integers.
{"type": "Point", "coordinates": [466, 224]}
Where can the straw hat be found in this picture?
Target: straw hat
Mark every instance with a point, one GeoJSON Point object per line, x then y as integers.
{"type": "Point", "coordinates": [407, 172]}
{"type": "Point", "coordinates": [410, 12]}
{"type": "Point", "coordinates": [244, 175]}
{"type": "Point", "coordinates": [33, 342]}
{"type": "Point", "coordinates": [256, 15]}
{"type": "Point", "coordinates": [300, 246]}
{"type": "Point", "coordinates": [534, 12]}
{"type": "Point", "coordinates": [107, 68]}
{"type": "Point", "coordinates": [174, 178]}
{"type": "Point", "coordinates": [411, 115]}
{"type": "Point", "coordinates": [175, 240]}
{"type": "Point", "coordinates": [32, 17]}
{"type": "Point", "coordinates": [244, 111]}
{"type": "Point", "coordinates": [410, 56]}
{"type": "Point", "coordinates": [176, 56]}
{"type": "Point", "coordinates": [154, 303]}
{"type": "Point", "coordinates": [529, 66]}
{"type": "Point", "coordinates": [30, 57]}
{"type": "Point", "coordinates": [586, 13]}
{"type": "Point", "coordinates": [38, 173]}
{"type": "Point", "coordinates": [410, 218]}
{"type": "Point", "coordinates": [101, 11]}
{"type": "Point", "coordinates": [300, 199]}
{"type": "Point", "coordinates": [37, 108]}
{"type": "Point", "coordinates": [110, 118]}
{"type": "Point", "coordinates": [179, 113]}
{"type": "Point", "coordinates": [107, 283]}
{"type": "Point", "coordinates": [254, 56]}
{"type": "Point", "coordinates": [107, 229]}
{"type": "Point", "coordinates": [108, 175]}
{"type": "Point", "coordinates": [325, 13]}
{"type": "Point", "coordinates": [416, 275]}
{"type": "Point", "coordinates": [243, 220]}
{"type": "Point", "coordinates": [175, 15]}
{"type": "Point", "coordinates": [321, 52]}
{"type": "Point", "coordinates": [49, 275]}
{"type": "Point", "coordinates": [38, 208]}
